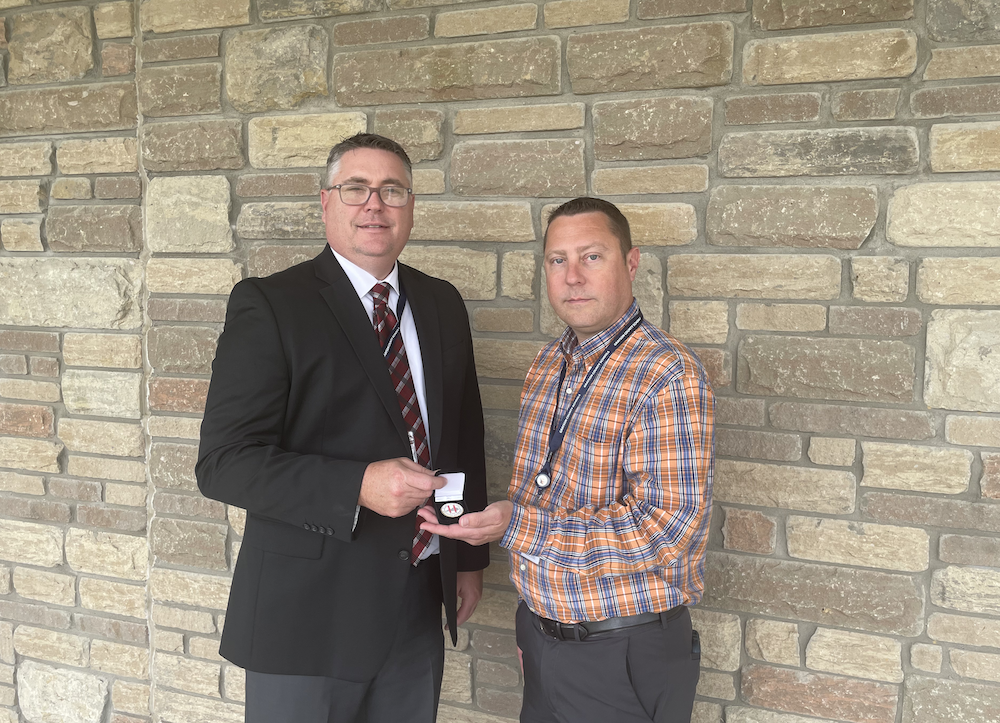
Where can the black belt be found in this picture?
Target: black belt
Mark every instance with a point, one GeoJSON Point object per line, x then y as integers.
{"type": "Point", "coordinates": [581, 631]}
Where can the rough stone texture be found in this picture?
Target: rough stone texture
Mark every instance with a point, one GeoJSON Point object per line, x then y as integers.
{"type": "Point", "coordinates": [971, 664]}
{"type": "Point", "coordinates": [77, 293]}
{"type": "Point", "coordinates": [967, 550]}
{"type": "Point", "coordinates": [276, 68]}
{"type": "Point", "coordinates": [472, 272]}
{"type": "Point", "coordinates": [472, 221]}
{"type": "Point", "coordinates": [182, 349]}
{"type": "Point", "coordinates": [278, 184]}
{"type": "Point", "coordinates": [660, 224]}
{"type": "Point", "coordinates": [840, 217]}
{"type": "Point", "coordinates": [114, 20]}
{"type": "Point", "coordinates": [550, 117]}
{"type": "Point", "coordinates": [188, 214]}
{"type": "Point", "coordinates": [781, 317]}
{"type": "Point", "coordinates": [22, 196]}
{"type": "Point", "coordinates": [772, 641]}
{"type": "Point", "coordinates": [653, 9]}
{"type": "Point", "coordinates": [89, 229]}
{"type": "Point", "coordinates": [977, 61]}
{"type": "Point", "coordinates": [575, 13]}
{"type": "Point", "coordinates": [70, 109]}
{"type": "Point", "coordinates": [670, 56]}
{"type": "Point", "coordinates": [45, 586]}
{"type": "Point", "coordinates": [855, 654]}
{"type": "Point", "coordinates": [699, 322]}
{"type": "Point", "coordinates": [672, 127]}
{"type": "Point", "coordinates": [654, 179]}
{"type": "Point", "coordinates": [67, 189]}
{"type": "Point", "coordinates": [951, 21]}
{"type": "Point", "coordinates": [192, 276]}
{"type": "Point", "coordinates": [772, 108]}
{"type": "Point", "coordinates": [50, 46]}
{"type": "Point", "coordinates": [758, 445]}
{"type": "Point", "coordinates": [853, 543]}
{"type": "Point", "coordinates": [790, 15]}
{"type": "Point", "coordinates": [964, 630]}
{"type": "Point", "coordinates": [381, 30]}
{"type": "Point", "coordinates": [749, 531]}
{"type": "Point", "coordinates": [30, 543]}
{"type": "Point", "coordinates": [858, 105]}
{"type": "Point", "coordinates": [189, 543]}
{"type": "Point", "coordinates": [886, 322]}
{"type": "Point", "coordinates": [830, 57]}
{"type": "Point", "coordinates": [824, 152]}
{"type": "Point", "coordinates": [52, 695]}
{"type": "Point", "coordinates": [722, 639]}
{"type": "Point", "coordinates": [796, 488]}
{"type": "Point", "coordinates": [486, 21]}
{"type": "Point", "coordinates": [916, 468]}
{"type": "Point", "coordinates": [496, 359]}
{"type": "Point", "coordinates": [428, 181]}
{"type": "Point", "coordinates": [945, 214]}
{"type": "Point", "coordinates": [517, 275]}
{"type": "Point", "coordinates": [205, 145]}
{"type": "Point", "coordinates": [461, 71]}
{"type": "Point", "coordinates": [117, 59]}
{"type": "Point", "coordinates": [419, 131]}
{"type": "Point", "coordinates": [956, 100]}
{"type": "Point", "coordinates": [962, 370]}
{"type": "Point", "coordinates": [774, 276]}
{"type": "Point", "coordinates": [81, 435]}
{"type": "Point", "coordinates": [178, 395]}
{"type": "Point", "coordinates": [965, 147]}
{"type": "Point", "coordinates": [26, 159]}
{"type": "Point", "coordinates": [100, 393]}
{"type": "Point", "coordinates": [21, 234]}
{"type": "Point", "coordinates": [880, 278]}
{"type": "Point", "coordinates": [168, 16]}
{"type": "Point", "coordinates": [281, 220]}
{"type": "Point", "coordinates": [177, 90]}
{"type": "Point", "coordinates": [832, 451]}
{"type": "Point", "coordinates": [267, 260]}
{"type": "Point", "coordinates": [926, 657]}
{"type": "Point", "coordinates": [299, 141]}
{"type": "Point", "coordinates": [99, 155]}
{"type": "Point", "coordinates": [188, 47]}
{"type": "Point", "coordinates": [858, 701]}
{"type": "Point", "coordinates": [967, 281]}
{"type": "Point", "coordinates": [817, 368]}
{"type": "Point", "coordinates": [102, 350]}
{"type": "Point", "coordinates": [518, 168]}
{"type": "Point", "coordinates": [968, 589]}
{"type": "Point", "coordinates": [974, 431]}
{"type": "Point", "coordinates": [935, 700]}
{"type": "Point", "coordinates": [281, 9]}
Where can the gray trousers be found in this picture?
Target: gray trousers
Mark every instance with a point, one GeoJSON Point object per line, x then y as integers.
{"type": "Point", "coordinates": [407, 688]}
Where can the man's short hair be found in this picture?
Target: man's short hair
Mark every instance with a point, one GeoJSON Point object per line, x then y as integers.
{"type": "Point", "coordinates": [359, 141]}
{"type": "Point", "coordinates": [587, 204]}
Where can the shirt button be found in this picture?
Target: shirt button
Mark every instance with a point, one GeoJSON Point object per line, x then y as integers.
{"type": "Point", "coordinates": [403, 555]}
{"type": "Point", "coordinates": [523, 567]}
{"type": "Point", "coordinates": [568, 390]}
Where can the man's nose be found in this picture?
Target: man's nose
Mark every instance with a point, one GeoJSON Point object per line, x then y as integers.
{"type": "Point", "coordinates": [574, 273]}
{"type": "Point", "coordinates": [374, 201]}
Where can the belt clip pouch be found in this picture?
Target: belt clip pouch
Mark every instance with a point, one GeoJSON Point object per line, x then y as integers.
{"type": "Point", "coordinates": [449, 501]}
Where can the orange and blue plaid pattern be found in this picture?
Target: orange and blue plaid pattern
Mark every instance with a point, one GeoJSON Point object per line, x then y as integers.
{"type": "Point", "coordinates": [622, 528]}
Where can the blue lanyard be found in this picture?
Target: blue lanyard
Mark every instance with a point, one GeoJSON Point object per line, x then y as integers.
{"type": "Point", "coordinates": [557, 429]}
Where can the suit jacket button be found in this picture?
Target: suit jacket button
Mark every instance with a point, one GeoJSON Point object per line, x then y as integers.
{"type": "Point", "coordinates": [305, 525]}
{"type": "Point", "coordinates": [314, 528]}
{"type": "Point", "coordinates": [404, 554]}
{"type": "Point", "coordinates": [329, 530]}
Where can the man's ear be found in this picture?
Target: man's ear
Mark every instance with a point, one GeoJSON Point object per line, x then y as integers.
{"type": "Point", "coordinates": [632, 262]}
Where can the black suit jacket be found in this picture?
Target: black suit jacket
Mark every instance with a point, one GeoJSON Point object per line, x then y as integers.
{"type": "Point", "coordinates": [299, 404]}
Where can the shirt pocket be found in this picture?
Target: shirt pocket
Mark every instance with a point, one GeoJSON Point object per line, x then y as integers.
{"type": "Point", "coordinates": [592, 468]}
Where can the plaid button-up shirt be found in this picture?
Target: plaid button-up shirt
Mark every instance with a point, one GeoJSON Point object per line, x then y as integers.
{"type": "Point", "coordinates": [622, 528]}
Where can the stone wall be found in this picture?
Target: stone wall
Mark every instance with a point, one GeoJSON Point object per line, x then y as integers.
{"type": "Point", "coordinates": [814, 187]}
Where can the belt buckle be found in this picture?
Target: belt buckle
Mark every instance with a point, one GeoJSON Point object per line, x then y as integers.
{"type": "Point", "coordinates": [571, 631]}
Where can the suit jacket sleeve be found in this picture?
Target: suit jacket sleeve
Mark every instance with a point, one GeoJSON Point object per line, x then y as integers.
{"type": "Point", "coordinates": [240, 460]}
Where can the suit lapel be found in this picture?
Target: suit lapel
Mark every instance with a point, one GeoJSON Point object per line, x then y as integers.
{"type": "Point", "coordinates": [425, 317]}
{"type": "Point", "coordinates": [342, 299]}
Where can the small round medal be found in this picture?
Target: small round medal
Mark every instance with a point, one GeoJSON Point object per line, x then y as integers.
{"type": "Point", "coordinates": [452, 509]}
{"type": "Point", "coordinates": [542, 480]}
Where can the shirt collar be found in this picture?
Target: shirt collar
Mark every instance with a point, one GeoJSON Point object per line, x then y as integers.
{"type": "Point", "coordinates": [574, 350]}
{"type": "Point", "coordinates": [362, 281]}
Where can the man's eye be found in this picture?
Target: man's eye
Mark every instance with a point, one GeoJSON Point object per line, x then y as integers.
{"type": "Point", "coordinates": [393, 192]}
{"type": "Point", "coordinates": [593, 257]}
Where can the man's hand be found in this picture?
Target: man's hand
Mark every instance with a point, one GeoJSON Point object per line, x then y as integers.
{"type": "Point", "coordinates": [395, 487]}
{"type": "Point", "coordinates": [470, 590]}
{"type": "Point", "coordinates": [476, 528]}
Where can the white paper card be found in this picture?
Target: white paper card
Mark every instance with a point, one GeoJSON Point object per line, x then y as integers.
{"type": "Point", "coordinates": [454, 488]}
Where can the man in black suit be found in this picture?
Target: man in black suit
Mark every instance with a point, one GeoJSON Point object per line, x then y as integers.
{"type": "Point", "coordinates": [335, 608]}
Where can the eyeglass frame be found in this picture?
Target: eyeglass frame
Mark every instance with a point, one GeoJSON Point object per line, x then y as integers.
{"type": "Point", "coordinates": [371, 190]}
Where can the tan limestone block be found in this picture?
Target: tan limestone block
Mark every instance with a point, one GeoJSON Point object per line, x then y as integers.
{"type": "Point", "coordinates": [48, 587]}
{"type": "Point", "coordinates": [648, 290]}
{"type": "Point", "coordinates": [418, 130]}
{"type": "Point", "coordinates": [496, 609]}
{"type": "Point", "coordinates": [182, 349]}
{"type": "Point", "coordinates": [192, 276]}
{"type": "Point", "coordinates": [193, 676]}
{"type": "Point", "coordinates": [961, 370]}
{"type": "Point", "coordinates": [94, 229]}
{"type": "Point", "coordinates": [661, 224]}
{"type": "Point", "coordinates": [381, 30]}
{"type": "Point", "coordinates": [973, 431]}
{"type": "Point", "coordinates": [54, 694]}
{"type": "Point", "coordinates": [31, 543]}
{"type": "Point", "coordinates": [652, 128]}
{"type": "Point", "coordinates": [856, 543]}
{"type": "Point", "coordinates": [98, 155]}
{"type": "Point", "coordinates": [772, 108]}
{"type": "Point", "coordinates": [276, 68]}
{"type": "Point", "coordinates": [21, 234]}
{"type": "Point", "coordinates": [718, 365]}
{"type": "Point", "coordinates": [237, 519]}
{"type": "Point", "coordinates": [195, 621]}
{"type": "Point", "coordinates": [978, 61]}
{"type": "Point", "coordinates": [188, 47]}
{"type": "Point", "coordinates": [4, 4]}
{"type": "Point", "coordinates": [69, 109]}
{"type": "Point", "coordinates": [880, 278]}
{"type": "Point", "coordinates": [715, 685]}
{"type": "Point", "coordinates": [873, 104]}
{"type": "Point", "coordinates": [795, 488]}
{"type": "Point", "coordinates": [169, 642]}
{"type": "Point", "coordinates": [749, 531]}
{"type": "Point", "coordinates": [721, 639]}
{"type": "Point", "coordinates": [504, 359]}
{"type": "Point", "coordinates": [855, 654]}
{"type": "Point", "coordinates": [832, 451]}
{"type": "Point", "coordinates": [172, 465]}
{"type": "Point", "coordinates": [486, 21]}
{"type": "Point", "coordinates": [101, 393]}
{"type": "Point", "coordinates": [50, 46]}
{"type": "Point", "coordinates": [177, 90]}
{"type": "Point", "coordinates": [649, 179]}
{"type": "Point", "coordinates": [109, 596]}
{"type": "Point", "coordinates": [22, 484]}
{"type": "Point", "coordinates": [487, 221]}
{"type": "Point", "coordinates": [457, 683]}
{"type": "Point", "coordinates": [130, 697]}
{"type": "Point", "coordinates": [189, 214]}
{"type": "Point", "coordinates": [116, 351]}
{"type": "Point", "coordinates": [955, 100]}
{"type": "Point", "coordinates": [945, 214]}
{"type": "Point", "coordinates": [472, 272]}
{"type": "Point", "coordinates": [271, 10]}
{"type": "Point", "coordinates": [772, 276]}
{"type": "Point", "coordinates": [695, 55]}
{"type": "Point", "coordinates": [758, 445]}
{"type": "Point", "coordinates": [168, 16]}
{"type": "Point", "coordinates": [840, 217]}
{"type": "Point", "coordinates": [7, 637]}
{"type": "Point", "coordinates": [513, 119]}
{"type": "Point", "coordinates": [530, 168]}
{"type": "Point", "coordinates": [205, 648]}
{"type": "Point", "coordinates": [28, 159]}
{"type": "Point", "coordinates": [100, 468]}
{"type": "Point", "coordinates": [197, 145]}
{"type": "Point", "coordinates": [517, 275]}
{"type": "Point", "coordinates": [30, 454]}
{"type": "Point", "coordinates": [22, 196]}
{"type": "Point", "coordinates": [970, 549]}
{"type": "Point", "coordinates": [968, 589]}
{"type": "Point", "coordinates": [129, 661]}
{"type": "Point", "coordinates": [106, 553]}
{"type": "Point", "coordinates": [125, 495]}
{"type": "Point", "coordinates": [926, 657]}
{"type": "Point", "coordinates": [267, 260]}
{"type": "Point", "coordinates": [975, 664]}
{"type": "Point", "coordinates": [281, 220]}
{"type": "Point", "coordinates": [278, 184]}
{"type": "Point", "coordinates": [461, 71]}
{"type": "Point", "coordinates": [66, 189]}
{"type": "Point", "coordinates": [300, 140]}
{"type": "Point", "coordinates": [653, 9]}
{"type": "Point", "coordinates": [82, 435]}
{"type": "Point", "coordinates": [117, 59]}
{"type": "Point", "coordinates": [30, 390]}
{"type": "Point", "coordinates": [234, 683]}
{"type": "Point", "coordinates": [964, 630]}
{"type": "Point", "coordinates": [773, 641]}
{"type": "Point", "coordinates": [114, 20]}
{"type": "Point", "coordinates": [189, 543]}
{"type": "Point", "coordinates": [699, 322]}
{"type": "Point", "coordinates": [781, 317]}
{"type": "Point", "coordinates": [190, 588]}
{"type": "Point", "coordinates": [789, 15]}
{"type": "Point", "coordinates": [577, 13]}
{"type": "Point", "coordinates": [964, 280]}
{"type": "Point", "coordinates": [965, 147]}
{"type": "Point", "coordinates": [49, 645]}
{"type": "Point", "coordinates": [178, 706]}
{"type": "Point", "coordinates": [916, 468]}
{"type": "Point", "coordinates": [830, 57]}
{"type": "Point", "coordinates": [428, 181]}
{"type": "Point", "coordinates": [502, 320]}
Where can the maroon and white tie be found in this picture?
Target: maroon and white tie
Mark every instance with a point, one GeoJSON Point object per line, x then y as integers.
{"type": "Point", "coordinates": [390, 339]}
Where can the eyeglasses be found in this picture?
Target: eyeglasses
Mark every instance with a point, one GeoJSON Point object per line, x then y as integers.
{"type": "Point", "coordinates": [354, 194]}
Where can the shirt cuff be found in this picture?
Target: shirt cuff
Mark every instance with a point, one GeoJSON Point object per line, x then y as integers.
{"type": "Point", "coordinates": [528, 530]}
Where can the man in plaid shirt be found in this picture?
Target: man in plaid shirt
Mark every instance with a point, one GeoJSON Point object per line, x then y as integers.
{"type": "Point", "coordinates": [608, 509]}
